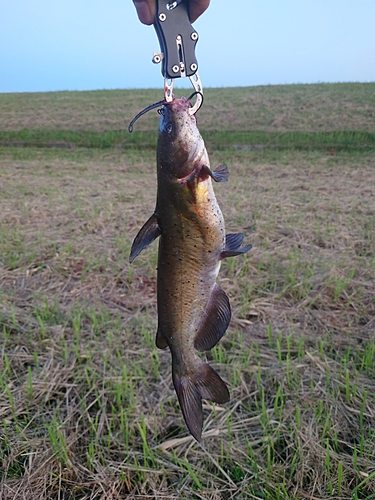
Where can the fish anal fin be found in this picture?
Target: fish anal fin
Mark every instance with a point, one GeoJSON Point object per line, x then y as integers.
{"type": "Point", "coordinates": [215, 320]}
{"type": "Point", "coordinates": [161, 342]}
{"type": "Point", "coordinates": [233, 247]}
{"type": "Point", "coordinates": [146, 235]}
{"type": "Point", "coordinates": [210, 385]}
{"type": "Point", "coordinates": [191, 388]}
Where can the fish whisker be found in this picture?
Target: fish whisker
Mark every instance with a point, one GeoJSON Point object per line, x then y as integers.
{"type": "Point", "coordinates": [144, 111]}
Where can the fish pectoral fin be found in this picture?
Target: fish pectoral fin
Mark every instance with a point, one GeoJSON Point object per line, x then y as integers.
{"type": "Point", "coordinates": [161, 342]}
{"type": "Point", "coordinates": [215, 320]}
{"type": "Point", "coordinates": [221, 173]}
{"type": "Point", "coordinates": [233, 244]}
{"type": "Point", "coordinates": [146, 235]}
{"type": "Point", "coordinates": [218, 174]}
{"type": "Point", "coordinates": [192, 388]}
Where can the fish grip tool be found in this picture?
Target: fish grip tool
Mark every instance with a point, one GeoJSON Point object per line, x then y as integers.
{"type": "Point", "coordinates": [177, 39]}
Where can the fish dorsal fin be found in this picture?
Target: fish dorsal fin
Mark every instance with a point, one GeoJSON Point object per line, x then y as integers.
{"type": "Point", "coordinates": [192, 387]}
{"type": "Point", "coordinates": [146, 235]}
{"type": "Point", "coordinates": [161, 342]}
{"type": "Point", "coordinates": [233, 244]}
{"type": "Point", "coordinates": [215, 320]}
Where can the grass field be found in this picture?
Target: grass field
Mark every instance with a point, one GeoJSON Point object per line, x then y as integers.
{"type": "Point", "coordinates": [87, 406]}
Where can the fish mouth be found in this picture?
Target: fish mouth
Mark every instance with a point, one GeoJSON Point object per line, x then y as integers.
{"type": "Point", "coordinates": [183, 103]}
{"type": "Point", "coordinates": [180, 104]}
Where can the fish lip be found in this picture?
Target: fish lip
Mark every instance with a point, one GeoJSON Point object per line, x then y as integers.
{"type": "Point", "coordinates": [179, 104]}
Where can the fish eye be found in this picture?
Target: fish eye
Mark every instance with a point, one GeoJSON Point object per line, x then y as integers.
{"type": "Point", "coordinates": [169, 128]}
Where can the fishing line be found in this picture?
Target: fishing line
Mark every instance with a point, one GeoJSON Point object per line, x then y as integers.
{"type": "Point", "coordinates": [149, 108]}
{"type": "Point", "coordinates": [194, 94]}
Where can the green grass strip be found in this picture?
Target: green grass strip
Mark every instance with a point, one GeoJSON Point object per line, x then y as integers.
{"type": "Point", "coordinates": [342, 140]}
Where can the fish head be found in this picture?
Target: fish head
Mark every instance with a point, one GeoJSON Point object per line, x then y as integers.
{"type": "Point", "coordinates": [180, 145]}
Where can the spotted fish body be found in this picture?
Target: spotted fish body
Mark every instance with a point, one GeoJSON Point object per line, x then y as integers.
{"type": "Point", "coordinates": [193, 311]}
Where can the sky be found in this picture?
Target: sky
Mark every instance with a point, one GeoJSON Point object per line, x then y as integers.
{"type": "Point", "coordinates": [50, 45]}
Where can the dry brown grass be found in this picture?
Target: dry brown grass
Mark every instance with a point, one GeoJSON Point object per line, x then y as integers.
{"type": "Point", "coordinates": [86, 400]}
{"type": "Point", "coordinates": [310, 108]}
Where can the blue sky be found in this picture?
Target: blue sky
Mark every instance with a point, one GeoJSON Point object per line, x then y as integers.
{"type": "Point", "coordinates": [48, 45]}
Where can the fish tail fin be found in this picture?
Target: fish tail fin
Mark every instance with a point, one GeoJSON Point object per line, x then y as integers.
{"type": "Point", "coordinates": [191, 388]}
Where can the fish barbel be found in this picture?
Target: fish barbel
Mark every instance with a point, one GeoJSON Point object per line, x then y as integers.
{"type": "Point", "coordinates": [193, 311]}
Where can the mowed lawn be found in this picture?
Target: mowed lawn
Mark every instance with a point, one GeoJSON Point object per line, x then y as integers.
{"type": "Point", "coordinates": [87, 405]}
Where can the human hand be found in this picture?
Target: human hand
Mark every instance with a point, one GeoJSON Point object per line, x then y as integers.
{"type": "Point", "coordinates": [146, 9]}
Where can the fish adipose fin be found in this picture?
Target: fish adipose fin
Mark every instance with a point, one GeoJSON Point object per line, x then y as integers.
{"type": "Point", "coordinates": [219, 173]}
{"type": "Point", "coordinates": [215, 320]}
{"type": "Point", "coordinates": [146, 235]}
{"type": "Point", "coordinates": [161, 342]}
{"type": "Point", "coordinates": [233, 244]}
{"type": "Point", "coordinates": [192, 388]}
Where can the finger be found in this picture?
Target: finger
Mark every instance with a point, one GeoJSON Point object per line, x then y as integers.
{"type": "Point", "coordinates": [196, 8]}
{"type": "Point", "coordinates": [146, 10]}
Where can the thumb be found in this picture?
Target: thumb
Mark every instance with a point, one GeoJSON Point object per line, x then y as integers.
{"type": "Point", "coordinates": [146, 10]}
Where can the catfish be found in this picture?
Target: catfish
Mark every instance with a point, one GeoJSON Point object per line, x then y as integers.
{"type": "Point", "coordinates": [193, 311]}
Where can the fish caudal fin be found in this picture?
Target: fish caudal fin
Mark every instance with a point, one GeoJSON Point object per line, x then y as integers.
{"type": "Point", "coordinates": [191, 388]}
{"type": "Point", "coordinates": [146, 235]}
{"type": "Point", "coordinates": [233, 247]}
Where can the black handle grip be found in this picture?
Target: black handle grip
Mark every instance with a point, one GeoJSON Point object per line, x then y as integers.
{"type": "Point", "coordinates": [177, 38]}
